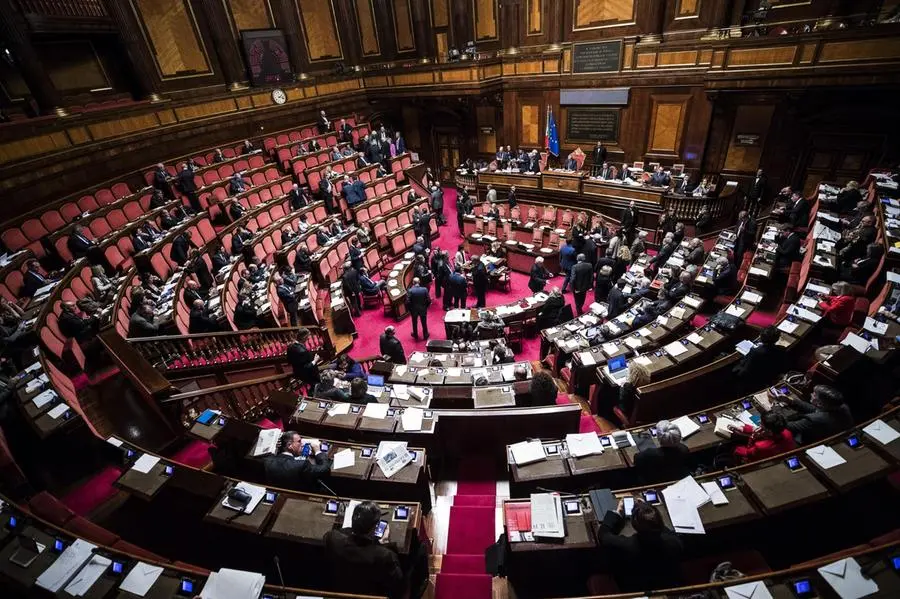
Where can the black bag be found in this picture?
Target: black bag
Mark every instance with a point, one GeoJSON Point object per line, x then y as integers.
{"type": "Point", "coordinates": [725, 323]}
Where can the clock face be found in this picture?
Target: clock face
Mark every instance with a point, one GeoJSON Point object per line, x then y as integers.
{"type": "Point", "coordinates": [278, 96]}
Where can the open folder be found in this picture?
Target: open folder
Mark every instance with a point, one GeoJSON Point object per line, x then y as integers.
{"type": "Point", "coordinates": [547, 516]}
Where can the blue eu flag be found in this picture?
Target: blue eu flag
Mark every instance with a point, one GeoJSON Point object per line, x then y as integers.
{"type": "Point", "coordinates": [552, 134]}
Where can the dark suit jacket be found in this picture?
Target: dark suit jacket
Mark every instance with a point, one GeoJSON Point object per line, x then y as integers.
{"type": "Point", "coordinates": [322, 124]}
{"type": "Point", "coordinates": [201, 322]}
{"type": "Point", "coordinates": [296, 198]}
{"type": "Point", "coordinates": [629, 218]}
{"type": "Point", "coordinates": [73, 326]}
{"type": "Point", "coordinates": [538, 278]}
{"type": "Point", "coordinates": [696, 256]}
{"type": "Point", "coordinates": [245, 316]}
{"type": "Point", "coordinates": [326, 191]}
{"type": "Point", "coordinates": [190, 296]}
{"type": "Point", "coordinates": [350, 281]}
{"type": "Point", "coordinates": [392, 348]}
{"type": "Point", "coordinates": [599, 155]}
{"type": "Point", "coordinates": [186, 181]}
{"type": "Point", "coordinates": [788, 250]}
{"type": "Point", "coordinates": [725, 279]}
{"type": "Point", "coordinates": [363, 565]}
{"type": "Point", "coordinates": [79, 246]}
{"type": "Point", "coordinates": [284, 471]}
{"type": "Point", "coordinates": [761, 363]}
{"type": "Point", "coordinates": [346, 133]}
{"type": "Point", "coordinates": [549, 314]}
{"type": "Point", "coordinates": [418, 300]}
{"type": "Point", "coordinates": [31, 282]}
{"type": "Point", "coordinates": [301, 361]}
{"type": "Point", "coordinates": [615, 302]}
{"type": "Point", "coordinates": [139, 326]}
{"type": "Point", "coordinates": [179, 251]}
{"type": "Point", "coordinates": [400, 145]}
{"type": "Point", "coordinates": [758, 188]}
{"type": "Point", "coordinates": [641, 561]}
{"type": "Point", "coordinates": [810, 424]}
{"type": "Point", "coordinates": [798, 215]}
{"type": "Point", "coordinates": [662, 463]}
{"type": "Point", "coordinates": [582, 277]}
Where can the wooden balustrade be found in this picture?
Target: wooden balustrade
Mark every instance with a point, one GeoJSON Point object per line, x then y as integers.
{"type": "Point", "coordinates": [63, 8]}
{"type": "Point", "coordinates": [245, 400]}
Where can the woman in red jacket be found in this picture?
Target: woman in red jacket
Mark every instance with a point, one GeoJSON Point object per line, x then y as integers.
{"type": "Point", "coordinates": [837, 307]}
{"type": "Point", "coordinates": [770, 439]}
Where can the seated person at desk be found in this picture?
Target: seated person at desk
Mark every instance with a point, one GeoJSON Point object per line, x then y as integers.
{"type": "Point", "coordinates": [539, 276]}
{"type": "Point", "coordinates": [494, 212]}
{"type": "Point", "coordinates": [34, 278]}
{"type": "Point", "coordinates": [245, 316]}
{"type": "Point", "coordinates": [550, 311]}
{"type": "Point", "coordinates": [326, 389]}
{"type": "Point", "coordinates": [677, 291]}
{"type": "Point", "coordinates": [73, 326]}
{"type": "Point", "coordinates": [650, 311]}
{"type": "Point", "coordinates": [497, 250]}
{"type": "Point", "coordinates": [650, 558]}
{"type": "Point", "coordinates": [824, 415]}
{"type": "Point", "coordinates": [764, 361]}
{"type": "Point", "coordinates": [543, 391]}
{"type": "Point", "coordinates": [348, 368]}
{"type": "Point", "coordinates": [771, 438]}
{"type": "Point", "coordinates": [201, 321]}
{"type": "Point", "coordinates": [390, 347]}
{"type": "Point", "coordinates": [489, 326]}
{"type": "Point", "coordinates": [724, 277]}
{"type": "Point", "coordinates": [665, 251]}
{"type": "Point", "coordinates": [687, 186]}
{"type": "Point", "coordinates": [500, 354]}
{"type": "Point", "coordinates": [571, 163]}
{"type": "Point", "coordinates": [660, 178]}
{"type": "Point", "coordinates": [639, 247]}
{"type": "Point", "coordinates": [861, 269]}
{"type": "Point", "coordinates": [362, 563]}
{"type": "Point", "coordinates": [142, 321]}
{"type": "Point", "coordinates": [290, 468]}
{"type": "Point", "coordinates": [666, 462]}
{"type": "Point", "coordinates": [322, 237]}
{"type": "Point", "coordinates": [638, 375]}
{"type": "Point", "coordinates": [78, 243]}
{"type": "Point", "coordinates": [359, 392]}
{"type": "Point", "coordinates": [696, 255]}
{"type": "Point", "coordinates": [302, 261]}
{"type": "Point", "coordinates": [704, 219]}
{"type": "Point", "coordinates": [191, 292]}
{"type": "Point", "coordinates": [846, 198]}
{"type": "Point", "coordinates": [854, 241]}
{"type": "Point", "coordinates": [368, 285]}
{"type": "Point", "coordinates": [303, 223]}
{"type": "Point", "coordinates": [797, 215]}
{"type": "Point", "coordinates": [837, 306]}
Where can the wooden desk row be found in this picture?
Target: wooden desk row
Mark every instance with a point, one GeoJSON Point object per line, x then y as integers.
{"type": "Point", "coordinates": [518, 311]}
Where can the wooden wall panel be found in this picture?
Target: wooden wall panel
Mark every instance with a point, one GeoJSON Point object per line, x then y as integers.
{"type": "Point", "coordinates": [73, 65]}
{"type": "Point", "coordinates": [530, 123]}
{"type": "Point", "coordinates": [403, 31]}
{"type": "Point", "coordinates": [250, 14]}
{"type": "Point", "coordinates": [485, 12]}
{"type": "Point", "coordinates": [753, 120]}
{"type": "Point", "coordinates": [590, 14]}
{"type": "Point", "coordinates": [687, 8]}
{"type": "Point", "coordinates": [171, 30]}
{"type": "Point", "coordinates": [752, 57]}
{"type": "Point", "coordinates": [32, 146]}
{"type": "Point", "coordinates": [535, 21]}
{"type": "Point", "coordinates": [860, 50]}
{"type": "Point", "coordinates": [486, 118]}
{"type": "Point", "coordinates": [667, 123]}
{"type": "Point", "coordinates": [319, 29]}
{"type": "Point", "coordinates": [197, 111]}
{"type": "Point", "coordinates": [123, 126]}
{"type": "Point", "coordinates": [440, 13]}
{"type": "Point", "coordinates": [365, 17]}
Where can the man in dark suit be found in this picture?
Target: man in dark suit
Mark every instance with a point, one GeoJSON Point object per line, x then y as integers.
{"type": "Point", "coordinates": [745, 234]}
{"type": "Point", "coordinates": [326, 193]}
{"type": "Point", "coordinates": [549, 313]}
{"type": "Point", "coordinates": [687, 186]}
{"type": "Point", "coordinates": [824, 415]}
{"type": "Point", "coordinates": [399, 143]}
{"type": "Point", "coordinates": [417, 302]}
{"type": "Point", "coordinates": [73, 326]}
{"type": "Point", "coordinates": [161, 182]}
{"type": "Point", "coordinates": [345, 132]}
{"type": "Point", "coordinates": [648, 559]}
{"type": "Point", "coordinates": [437, 204]}
{"type": "Point", "coordinates": [181, 245]}
{"type": "Point", "coordinates": [291, 469]}
{"type": "Point", "coordinates": [598, 155]}
{"type": "Point", "coordinates": [191, 292]}
{"type": "Point", "coordinates": [660, 178]}
{"type": "Point", "coordinates": [502, 157]}
{"type": "Point", "coordinates": [322, 123]}
{"type": "Point", "coordinates": [539, 276]}
{"type": "Point", "coordinates": [762, 363]}
{"type": "Point", "coordinates": [78, 243]}
{"type": "Point", "coordinates": [351, 288]}
{"type": "Point", "coordinates": [391, 347]}
{"type": "Point", "coordinates": [511, 197]}
{"type": "Point", "coordinates": [200, 320]}
{"type": "Point", "coordinates": [188, 187]}
{"type": "Point", "coordinates": [756, 193]}
{"type": "Point", "coordinates": [236, 211]}
{"type": "Point", "coordinates": [696, 254]}
{"type": "Point", "coordinates": [724, 277]}
{"type": "Point", "coordinates": [245, 316]}
{"type": "Point", "coordinates": [798, 214]}
{"type": "Point", "coordinates": [301, 360]}
{"type": "Point", "coordinates": [788, 248]}
{"type": "Point", "coordinates": [582, 281]}
{"type": "Point", "coordinates": [534, 162]}
{"type": "Point", "coordinates": [457, 288]}
{"type": "Point", "coordinates": [629, 221]}
{"type": "Point", "coordinates": [680, 289]}
{"type": "Point", "coordinates": [296, 198]}
{"type": "Point", "coordinates": [616, 300]}
{"type": "Point", "coordinates": [288, 299]}
{"type": "Point", "coordinates": [142, 322]}
{"type": "Point", "coordinates": [240, 237]}
{"type": "Point", "coordinates": [362, 563]}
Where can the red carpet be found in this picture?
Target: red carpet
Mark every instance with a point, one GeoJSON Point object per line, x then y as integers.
{"type": "Point", "coordinates": [195, 453]}
{"type": "Point", "coordinates": [471, 532]}
{"type": "Point", "coordinates": [94, 492]}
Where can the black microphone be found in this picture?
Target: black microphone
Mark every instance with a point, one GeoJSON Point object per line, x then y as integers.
{"type": "Point", "coordinates": [280, 577]}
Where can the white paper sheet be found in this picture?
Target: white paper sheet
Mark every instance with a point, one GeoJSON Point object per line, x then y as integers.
{"type": "Point", "coordinates": [686, 425]}
{"type": "Point", "coordinates": [757, 271]}
{"type": "Point", "coordinates": [233, 584]}
{"type": "Point", "coordinates": [256, 494]}
{"type": "Point", "coordinates": [856, 342]}
{"type": "Point", "coordinates": [339, 409]}
{"type": "Point", "coordinates": [145, 463]}
{"type": "Point", "coordinates": [387, 446]}
{"type": "Point", "coordinates": [684, 516]}
{"type": "Point", "coordinates": [115, 442]}
{"type": "Point", "coordinates": [825, 456]}
{"type": "Point", "coordinates": [43, 398]}
{"type": "Point", "coordinates": [527, 452]}
{"type": "Point", "coordinates": [609, 348]}
{"type": "Point", "coordinates": [58, 411]}
{"type": "Point", "coordinates": [345, 458]}
{"type": "Point", "coordinates": [735, 310]}
{"type": "Point", "coordinates": [587, 358]}
{"type": "Point", "coordinates": [873, 326]}
{"type": "Point", "coordinates": [376, 410]}
{"type": "Point", "coordinates": [744, 347]}
{"type": "Point", "coordinates": [695, 338]}
{"type": "Point", "coordinates": [893, 277]}
{"type": "Point", "coordinates": [88, 575]}
{"type": "Point", "coordinates": [803, 313]}
{"type": "Point", "coordinates": [141, 578]}
{"type": "Point", "coordinates": [748, 590]}
{"type": "Point", "coordinates": [66, 565]}
{"type": "Point", "coordinates": [787, 326]}
{"type": "Point", "coordinates": [691, 301]}
{"type": "Point", "coordinates": [348, 513]}
{"type": "Point", "coordinates": [845, 577]}
{"type": "Point", "coordinates": [808, 302]}
{"type": "Point", "coordinates": [753, 298]}
{"type": "Point", "coordinates": [582, 444]}
{"type": "Point", "coordinates": [715, 493]}
{"type": "Point", "coordinates": [411, 419]}
{"type": "Point", "coordinates": [266, 441]}
{"type": "Point", "coordinates": [882, 432]}
{"type": "Point", "coordinates": [633, 342]}
{"type": "Point", "coordinates": [687, 488]}
{"type": "Point", "coordinates": [676, 348]}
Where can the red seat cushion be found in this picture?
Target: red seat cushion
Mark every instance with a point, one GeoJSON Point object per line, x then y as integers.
{"type": "Point", "coordinates": [48, 507]}
{"type": "Point", "coordinates": [136, 551]}
{"type": "Point", "coordinates": [90, 531]}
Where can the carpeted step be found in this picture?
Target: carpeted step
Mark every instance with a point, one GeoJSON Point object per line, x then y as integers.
{"type": "Point", "coordinates": [475, 500]}
{"type": "Point", "coordinates": [458, 586]}
{"type": "Point", "coordinates": [471, 529]}
{"type": "Point", "coordinates": [459, 563]}
{"type": "Point", "coordinates": [195, 453]}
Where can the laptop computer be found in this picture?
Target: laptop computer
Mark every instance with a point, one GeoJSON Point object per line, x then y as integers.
{"type": "Point", "coordinates": [618, 367]}
{"type": "Point", "coordinates": [376, 384]}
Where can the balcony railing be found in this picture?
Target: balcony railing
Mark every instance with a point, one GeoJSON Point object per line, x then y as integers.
{"type": "Point", "coordinates": [63, 8]}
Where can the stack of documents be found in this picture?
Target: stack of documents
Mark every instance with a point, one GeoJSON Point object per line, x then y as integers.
{"type": "Point", "coordinates": [266, 442]}
{"type": "Point", "coordinates": [882, 432]}
{"type": "Point", "coordinates": [687, 426]}
{"type": "Point", "coordinates": [411, 419]}
{"type": "Point", "coordinates": [683, 499]}
{"type": "Point", "coordinates": [83, 581]}
{"type": "Point", "coordinates": [392, 457]}
{"type": "Point", "coordinates": [233, 584]}
{"type": "Point", "coordinates": [527, 452]}
{"type": "Point", "coordinates": [66, 565]}
{"type": "Point", "coordinates": [547, 516]}
{"type": "Point", "coordinates": [376, 410]}
{"type": "Point", "coordinates": [722, 424]}
{"type": "Point", "coordinates": [145, 463]}
{"type": "Point", "coordinates": [345, 458]}
{"type": "Point", "coordinates": [860, 344]}
{"type": "Point", "coordinates": [583, 444]}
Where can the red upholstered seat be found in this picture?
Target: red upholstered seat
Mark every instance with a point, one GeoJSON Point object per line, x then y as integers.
{"type": "Point", "coordinates": [90, 531]}
{"type": "Point", "coordinates": [50, 508]}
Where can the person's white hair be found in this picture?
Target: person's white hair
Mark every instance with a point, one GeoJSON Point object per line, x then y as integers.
{"type": "Point", "coordinates": [642, 234]}
{"type": "Point", "coordinates": [539, 260]}
{"type": "Point", "coordinates": [668, 238]}
{"type": "Point", "coordinates": [668, 433]}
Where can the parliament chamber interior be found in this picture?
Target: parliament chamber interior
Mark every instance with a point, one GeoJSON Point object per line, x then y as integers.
{"type": "Point", "coordinates": [453, 299]}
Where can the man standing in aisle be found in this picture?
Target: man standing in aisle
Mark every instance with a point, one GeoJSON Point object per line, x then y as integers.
{"type": "Point", "coordinates": [417, 302]}
{"type": "Point", "coordinates": [582, 281]}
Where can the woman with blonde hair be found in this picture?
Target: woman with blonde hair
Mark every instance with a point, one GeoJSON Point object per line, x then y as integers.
{"type": "Point", "coordinates": [638, 375]}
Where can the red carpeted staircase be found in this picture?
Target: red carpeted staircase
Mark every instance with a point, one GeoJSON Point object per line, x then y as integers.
{"type": "Point", "coordinates": [471, 532]}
